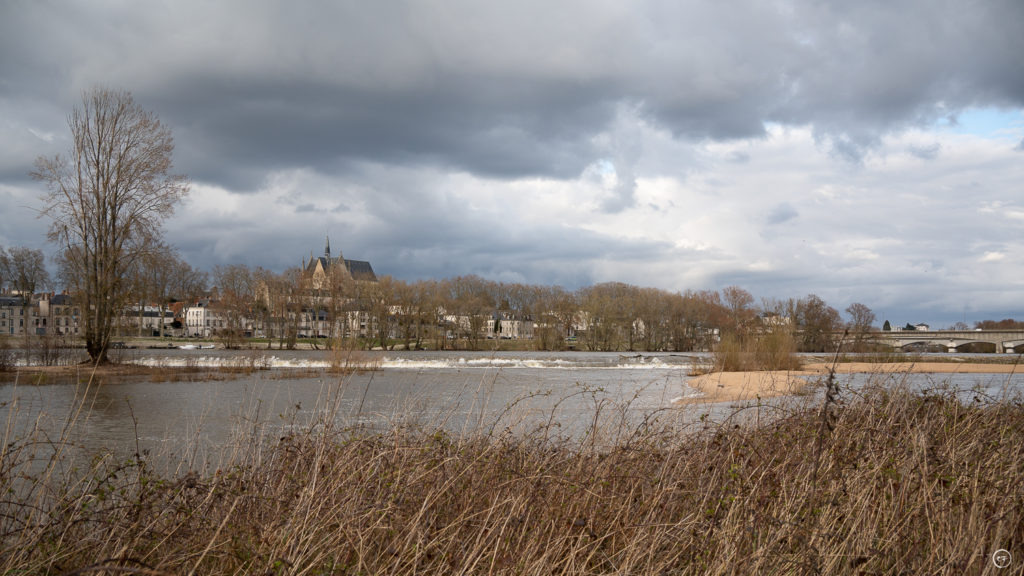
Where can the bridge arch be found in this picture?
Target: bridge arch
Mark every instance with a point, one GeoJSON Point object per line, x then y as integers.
{"type": "Point", "coordinates": [922, 345]}
{"type": "Point", "coordinates": [1014, 346]}
{"type": "Point", "coordinates": [975, 347]}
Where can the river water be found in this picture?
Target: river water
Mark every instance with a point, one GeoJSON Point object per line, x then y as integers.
{"type": "Point", "coordinates": [576, 395]}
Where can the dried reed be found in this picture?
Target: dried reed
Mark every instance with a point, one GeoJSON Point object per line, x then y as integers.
{"type": "Point", "coordinates": [904, 483]}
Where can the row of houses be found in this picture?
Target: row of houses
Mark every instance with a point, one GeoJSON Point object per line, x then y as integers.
{"type": "Point", "coordinates": [56, 314]}
{"type": "Point", "coordinates": [38, 314]}
{"type": "Point", "coordinates": [308, 313]}
{"type": "Point", "coordinates": [50, 314]}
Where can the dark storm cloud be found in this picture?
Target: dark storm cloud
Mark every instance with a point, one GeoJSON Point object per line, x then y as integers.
{"type": "Point", "coordinates": [511, 91]}
{"type": "Point", "coordinates": [322, 125]}
{"type": "Point", "coordinates": [565, 257]}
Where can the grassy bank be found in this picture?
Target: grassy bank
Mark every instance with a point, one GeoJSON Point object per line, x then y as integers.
{"type": "Point", "coordinates": [883, 481]}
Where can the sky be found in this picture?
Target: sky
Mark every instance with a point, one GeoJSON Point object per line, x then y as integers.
{"type": "Point", "coordinates": [866, 152]}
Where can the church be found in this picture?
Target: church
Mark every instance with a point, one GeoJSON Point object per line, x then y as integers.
{"type": "Point", "coordinates": [318, 269]}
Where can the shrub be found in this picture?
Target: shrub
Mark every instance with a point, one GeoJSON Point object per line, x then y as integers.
{"type": "Point", "coordinates": [773, 349]}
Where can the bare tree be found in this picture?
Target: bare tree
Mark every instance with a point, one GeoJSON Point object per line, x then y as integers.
{"type": "Point", "coordinates": [161, 276]}
{"type": "Point", "coordinates": [817, 323]}
{"type": "Point", "coordinates": [739, 305]}
{"type": "Point", "coordinates": [380, 297]}
{"type": "Point", "coordinates": [279, 305]}
{"type": "Point", "coordinates": [861, 321]}
{"type": "Point", "coordinates": [107, 200]}
{"type": "Point", "coordinates": [24, 270]}
{"type": "Point", "coordinates": [187, 283]}
{"type": "Point", "coordinates": [237, 299]}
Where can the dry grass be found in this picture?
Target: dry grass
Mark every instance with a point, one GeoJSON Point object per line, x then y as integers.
{"type": "Point", "coordinates": [880, 481]}
{"type": "Point", "coordinates": [773, 349]}
{"type": "Point", "coordinates": [346, 359]}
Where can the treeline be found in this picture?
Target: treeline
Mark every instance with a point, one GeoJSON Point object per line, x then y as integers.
{"type": "Point", "coordinates": [1005, 324]}
{"type": "Point", "coordinates": [463, 312]}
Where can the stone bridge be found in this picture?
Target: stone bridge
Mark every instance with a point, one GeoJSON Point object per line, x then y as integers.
{"type": "Point", "coordinates": [1009, 341]}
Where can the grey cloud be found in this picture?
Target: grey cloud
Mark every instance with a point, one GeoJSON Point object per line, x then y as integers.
{"type": "Point", "coordinates": [738, 157]}
{"type": "Point", "coordinates": [929, 152]}
{"type": "Point", "coordinates": [781, 214]}
{"type": "Point", "coordinates": [320, 125]}
{"type": "Point", "coordinates": [504, 91]}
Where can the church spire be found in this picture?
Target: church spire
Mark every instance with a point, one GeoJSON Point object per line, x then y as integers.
{"type": "Point", "coordinates": [327, 248]}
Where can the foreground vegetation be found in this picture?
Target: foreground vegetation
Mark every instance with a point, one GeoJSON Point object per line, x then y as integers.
{"type": "Point", "coordinates": [879, 481]}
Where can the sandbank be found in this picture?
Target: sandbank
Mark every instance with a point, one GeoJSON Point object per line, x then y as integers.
{"type": "Point", "coordinates": [739, 386]}
{"type": "Point", "coordinates": [734, 386]}
{"type": "Point", "coordinates": [952, 367]}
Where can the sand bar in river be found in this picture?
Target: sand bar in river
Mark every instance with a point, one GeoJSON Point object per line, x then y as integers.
{"type": "Point", "coordinates": [734, 386]}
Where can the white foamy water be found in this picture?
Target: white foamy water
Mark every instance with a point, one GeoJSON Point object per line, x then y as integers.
{"type": "Point", "coordinates": [557, 363]}
{"type": "Point", "coordinates": [411, 360]}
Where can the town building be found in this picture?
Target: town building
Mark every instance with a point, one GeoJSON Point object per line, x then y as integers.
{"type": "Point", "coordinates": [320, 269]}
{"type": "Point", "coordinates": [337, 300]}
{"type": "Point", "coordinates": [41, 314]}
{"type": "Point", "coordinates": [510, 326]}
{"type": "Point", "coordinates": [203, 319]}
{"type": "Point", "coordinates": [147, 321]}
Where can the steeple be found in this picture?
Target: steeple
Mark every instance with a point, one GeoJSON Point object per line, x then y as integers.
{"type": "Point", "coordinates": [327, 248]}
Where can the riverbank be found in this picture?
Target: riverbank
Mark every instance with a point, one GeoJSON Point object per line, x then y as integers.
{"type": "Point", "coordinates": [739, 386]}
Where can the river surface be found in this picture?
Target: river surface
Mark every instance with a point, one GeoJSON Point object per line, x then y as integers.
{"type": "Point", "coordinates": [576, 395]}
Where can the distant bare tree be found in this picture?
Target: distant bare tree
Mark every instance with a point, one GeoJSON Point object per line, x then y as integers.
{"type": "Point", "coordinates": [278, 306]}
{"type": "Point", "coordinates": [860, 324]}
{"type": "Point", "coordinates": [160, 276]}
{"type": "Point", "coordinates": [817, 323]}
{"type": "Point", "coordinates": [1004, 324]}
{"type": "Point", "coordinates": [107, 200]}
{"type": "Point", "coordinates": [610, 316]}
{"type": "Point", "coordinates": [188, 284]}
{"type": "Point", "coordinates": [237, 289]}
{"type": "Point", "coordinates": [861, 317]}
{"type": "Point", "coordinates": [24, 271]}
{"type": "Point", "coordinates": [379, 297]}
{"type": "Point", "coordinates": [740, 307]}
